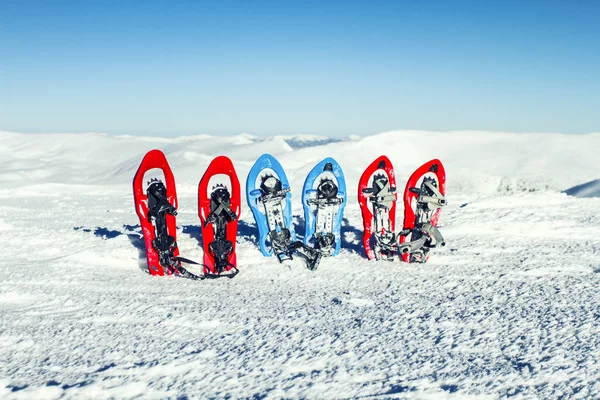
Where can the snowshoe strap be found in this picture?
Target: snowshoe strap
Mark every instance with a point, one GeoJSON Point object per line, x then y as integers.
{"type": "Point", "coordinates": [385, 246]}
{"type": "Point", "coordinates": [312, 256]}
{"type": "Point", "coordinates": [332, 201]}
{"type": "Point", "coordinates": [275, 197]}
{"type": "Point", "coordinates": [187, 274]}
{"type": "Point", "coordinates": [164, 244]}
{"type": "Point", "coordinates": [385, 200]}
{"type": "Point", "coordinates": [231, 273]}
{"type": "Point", "coordinates": [186, 260]}
{"type": "Point", "coordinates": [283, 247]}
{"type": "Point", "coordinates": [324, 242]}
{"type": "Point", "coordinates": [381, 185]}
{"type": "Point", "coordinates": [284, 256]}
{"type": "Point", "coordinates": [212, 217]}
{"type": "Point", "coordinates": [184, 272]}
{"type": "Point", "coordinates": [221, 250]}
{"type": "Point", "coordinates": [437, 199]}
{"type": "Point", "coordinates": [436, 202]}
{"type": "Point", "coordinates": [386, 241]}
{"type": "Point", "coordinates": [434, 233]}
{"type": "Point", "coordinates": [430, 237]}
{"type": "Point", "coordinates": [411, 247]}
{"type": "Point", "coordinates": [162, 204]}
{"type": "Point", "coordinates": [280, 241]}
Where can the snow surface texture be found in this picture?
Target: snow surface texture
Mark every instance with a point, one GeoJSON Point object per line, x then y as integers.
{"type": "Point", "coordinates": [509, 307]}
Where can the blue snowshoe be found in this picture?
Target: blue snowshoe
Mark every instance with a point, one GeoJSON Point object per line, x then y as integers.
{"type": "Point", "coordinates": [269, 197]}
{"type": "Point", "coordinates": [324, 200]}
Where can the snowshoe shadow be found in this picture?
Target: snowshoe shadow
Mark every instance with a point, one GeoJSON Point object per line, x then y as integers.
{"type": "Point", "coordinates": [299, 226]}
{"type": "Point", "coordinates": [351, 238]}
{"type": "Point", "coordinates": [102, 233]}
{"type": "Point", "coordinates": [137, 240]}
{"type": "Point", "coordinates": [133, 233]}
{"type": "Point", "coordinates": [195, 231]}
{"type": "Point", "coordinates": [248, 232]}
{"type": "Point", "coordinates": [245, 231]}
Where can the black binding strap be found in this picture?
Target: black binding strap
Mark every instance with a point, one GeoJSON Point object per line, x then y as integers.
{"type": "Point", "coordinates": [187, 274]}
{"type": "Point", "coordinates": [165, 244]}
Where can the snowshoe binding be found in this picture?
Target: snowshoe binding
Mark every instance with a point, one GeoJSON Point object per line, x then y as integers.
{"type": "Point", "coordinates": [158, 208]}
{"type": "Point", "coordinates": [220, 215]}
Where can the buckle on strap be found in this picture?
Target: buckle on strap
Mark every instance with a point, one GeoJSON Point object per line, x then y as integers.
{"type": "Point", "coordinates": [430, 237]}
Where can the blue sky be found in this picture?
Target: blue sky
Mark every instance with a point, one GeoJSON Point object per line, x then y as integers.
{"type": "Point", "coordinates": [285, 67]}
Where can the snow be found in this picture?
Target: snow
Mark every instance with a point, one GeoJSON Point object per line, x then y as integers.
{"type": "Point", "coordinates": [509, 307]}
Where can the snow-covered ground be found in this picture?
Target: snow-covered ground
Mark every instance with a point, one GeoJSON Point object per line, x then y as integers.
{"type": "Point", "coordinates": [511, 306]}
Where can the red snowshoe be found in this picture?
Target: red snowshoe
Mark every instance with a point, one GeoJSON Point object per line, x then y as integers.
{"type": "Point", "coordinates": [219, 208]}
{"type": "Point", "coordinates": [377, 199]}
{"type": "Point", "coordinates": [423, 198]}
{"type": "Point", "coordinates": [156, 206]}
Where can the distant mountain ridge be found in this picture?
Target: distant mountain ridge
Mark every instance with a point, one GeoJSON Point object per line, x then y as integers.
{"type": "Point", "coordinates": [476, 161]}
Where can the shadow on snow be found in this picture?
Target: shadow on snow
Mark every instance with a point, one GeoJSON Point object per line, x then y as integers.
{"type": "Point", "coordinates": [589, 189]}
{"type": "Point", "coordinates": [246, 231]}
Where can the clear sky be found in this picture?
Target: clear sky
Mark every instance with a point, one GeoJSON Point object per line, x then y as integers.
{"type": "Point", "coordinates": [285, 67]}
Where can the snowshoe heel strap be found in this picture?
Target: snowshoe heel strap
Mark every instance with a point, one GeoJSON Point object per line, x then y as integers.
{"type": "Point", "coordinates": [324, 242]}
{"type": "Point", "coordinates": [411, 247]}
{"type": "Point", "coordinates": [220, 251]}
{"type": "Point", "coordinates": [312, 256]}
{"type": "Point", "coordinates": [280, 241]}
{"type": "Point", "coordinates": [284, 256]}
{"type": "Point", "coordinates": [434, 233]}
{"type": "Point", "coordinates": [313, 262]}
{"type": "Point", "coordinates": [430, 237]}
{"type": "Point", "coordinates": [164, 245]}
